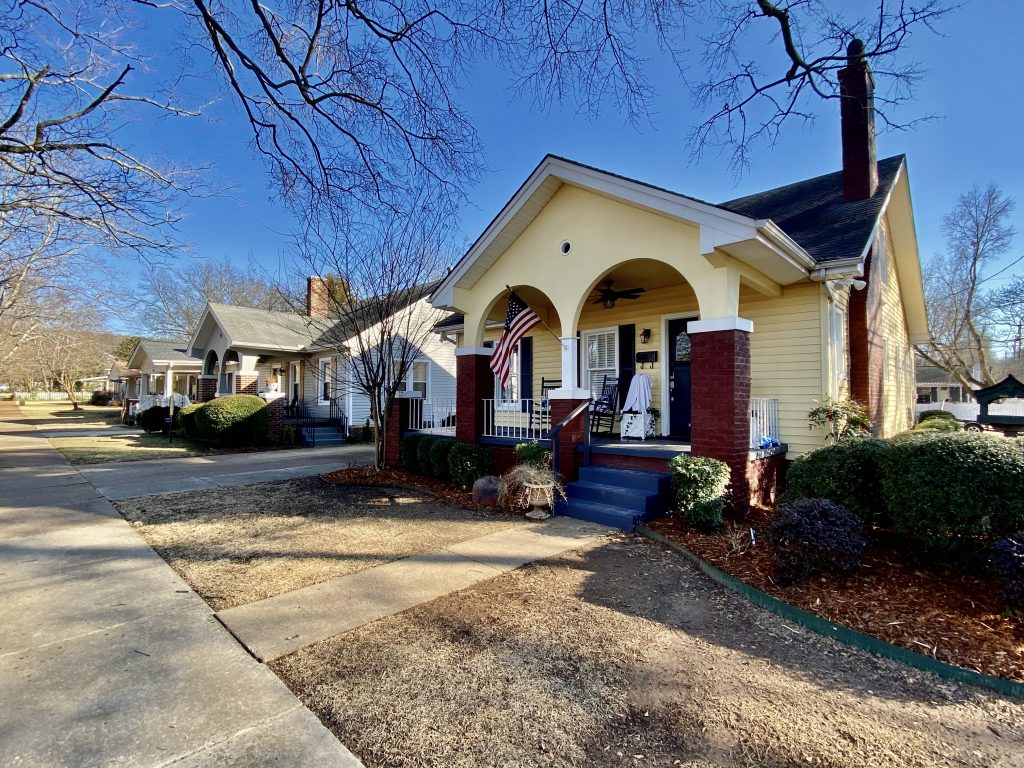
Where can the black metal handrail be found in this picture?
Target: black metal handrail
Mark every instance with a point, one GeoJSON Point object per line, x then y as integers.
{"type": "Point", "coordinates": [337, 416]}
{"type": "Point", "coordinates": [306, 423]}
{"type": "Point", "coordinates": [583, 408]}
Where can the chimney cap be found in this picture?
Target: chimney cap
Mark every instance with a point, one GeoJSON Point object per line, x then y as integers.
{"type": "Point", "coordinates": [855, 51]}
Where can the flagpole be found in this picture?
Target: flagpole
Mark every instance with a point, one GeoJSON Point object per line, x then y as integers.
{"type": "Point", "coordinates": [548, 327]}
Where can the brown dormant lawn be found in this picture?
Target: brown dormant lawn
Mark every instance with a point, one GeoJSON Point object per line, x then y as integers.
{"type": "Point", "coordinates": [621, 654]}
{"type": "Point", "coordinates": [237, 545]}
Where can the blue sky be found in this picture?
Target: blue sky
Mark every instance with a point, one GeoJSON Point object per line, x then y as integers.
{"type": "Point", "coordinates": [971, 83]}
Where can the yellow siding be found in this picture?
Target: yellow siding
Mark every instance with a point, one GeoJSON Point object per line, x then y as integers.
{"type": "Point", "coordinates": [787, 358]}
{"type": "Point", "coordinates": [898, 394]}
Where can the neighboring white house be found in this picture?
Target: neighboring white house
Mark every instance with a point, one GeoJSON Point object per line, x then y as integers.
{"type": "Point", "coordinates": [288, 355]}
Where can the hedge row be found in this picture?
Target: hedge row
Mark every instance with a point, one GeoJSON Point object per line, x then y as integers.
{"type": "Point", "coordinates": [235, 420]}
{"type": "Point", "coordinates": [444, 459]}
{"type": "Point", "coordinates": [951, 494]}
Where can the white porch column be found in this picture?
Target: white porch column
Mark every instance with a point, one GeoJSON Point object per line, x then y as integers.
{"type": "Point", "coordinates": [570, 389]}
{"type": "Point", "coordinates": [168, 384]}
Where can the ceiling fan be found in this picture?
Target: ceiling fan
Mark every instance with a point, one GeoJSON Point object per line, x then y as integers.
{"type": "Point", "coordinates": [609, 295]}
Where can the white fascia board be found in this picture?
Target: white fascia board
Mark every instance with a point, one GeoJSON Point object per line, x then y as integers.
{"type": "Point", "coordinates": [725, 226]}
{"type": "Point", "coordinates": [199, 326]}
{"type": "Point", "coordinates": [836, 270]}
{"type": "Point", "coordinates": [785, 246]}
{"type": "Point", "coordinates": [256, 346]}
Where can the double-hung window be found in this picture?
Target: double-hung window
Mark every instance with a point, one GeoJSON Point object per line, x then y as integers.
{"type": "Point", "coordinates": [837, 346]}
{"type": "Point", "coordinates": [507, 395]}
{"type": "Point", "coordinates": [326, 379]}
{"type": "Point", "coordinates": [416, 379]}
{"type": "Point", "coordinates": [600, 349]}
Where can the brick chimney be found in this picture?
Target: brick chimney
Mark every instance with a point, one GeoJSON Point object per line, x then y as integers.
{"type": "Point", "coordinates": [318, 301]}
{"type": "Point", "coordinates": [857, 113]}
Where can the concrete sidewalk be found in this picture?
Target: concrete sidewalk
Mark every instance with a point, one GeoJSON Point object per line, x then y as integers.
{"type": "Point", "coordinates": [280, 625]}
{"type": "Point", "coordinates": [106, 655]}
{"type": "Point", "coordinates": [124, 479]}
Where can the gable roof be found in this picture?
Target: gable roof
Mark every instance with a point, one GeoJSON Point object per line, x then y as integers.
{"type": "Point", "coordinates": [165, 351]}
{"type": "Point", "coordinates": [815, 215]}
{"type": "Point", "coordinates": [261, 328]}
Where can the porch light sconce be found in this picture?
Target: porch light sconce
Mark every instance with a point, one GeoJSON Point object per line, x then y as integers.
{"type": "Point", "coordinates": [645, 335]}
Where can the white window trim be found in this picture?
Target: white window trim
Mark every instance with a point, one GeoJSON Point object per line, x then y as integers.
{"type": "Point", "coordinates": [614, 330]}
{"type": "Point", "coordinates": [320, 378]}
{"type": "Point", "coordinates": [511, 405]}
{"type": "Point", "coordinates": [426, 361]}
{"type": "Point", "coordinates": [295, 378]}
{"type": "Point", "coordinates": [838, 344]}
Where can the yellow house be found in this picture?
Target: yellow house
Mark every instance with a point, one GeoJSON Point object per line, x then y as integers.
{"type": "Point", "coordinates": [743, 315]}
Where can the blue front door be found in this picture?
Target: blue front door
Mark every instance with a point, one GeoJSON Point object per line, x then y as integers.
{"type": "Point", "coordinates": [679, 354]}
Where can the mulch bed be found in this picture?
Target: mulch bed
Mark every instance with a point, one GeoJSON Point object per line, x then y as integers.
{"type": "Point", "coordinates": [953, 617]}
{"type": "Point", "coordinates": [398, 478]}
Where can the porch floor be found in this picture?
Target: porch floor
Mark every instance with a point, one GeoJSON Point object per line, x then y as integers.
{"type": "Point", "coordinates": [655, 447]}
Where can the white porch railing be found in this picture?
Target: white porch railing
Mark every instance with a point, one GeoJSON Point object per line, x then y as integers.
{"type": "Point", "coordinates": [764, 420]}
{"type": "Point", "coordinates": [148, 401]}
{"type": "Point", "coordinates": [433, 416]}
{"type": "Point", "coordinates": [970, 411]}
{"type": "Point", "coordinates": [520, 419]}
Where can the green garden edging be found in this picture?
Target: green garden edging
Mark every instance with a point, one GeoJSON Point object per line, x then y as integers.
{"type": "Point", "coordinates": [837, 631]}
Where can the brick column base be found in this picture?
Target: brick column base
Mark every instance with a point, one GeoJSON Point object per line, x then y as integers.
{"type": "Point", "coordinates": [569, 437]}
{"type": "Point", "coordinates": [720, 401]}
{"type": "Point", "coordinates": [206, 388]}
{"type": "Point", "coordinates": [275, 415]}
{"type": "Point", "coordinates": [397, 423]}
{"type": "Point", "coordinates": [474, 381]}
{"type": "Point", "coordinates": [246, 384]}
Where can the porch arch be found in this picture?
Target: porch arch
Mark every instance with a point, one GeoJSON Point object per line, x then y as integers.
{"type": "Point", "coordinates": [537, 299]}
{"type": "Point", "coordinates": [211, 363]}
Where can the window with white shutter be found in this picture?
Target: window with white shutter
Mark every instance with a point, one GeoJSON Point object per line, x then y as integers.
{"type": "Point", "coordinates": [600, 350]}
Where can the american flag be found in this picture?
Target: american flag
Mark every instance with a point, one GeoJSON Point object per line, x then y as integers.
{"type": "Point", "coordinates": [519, 319]}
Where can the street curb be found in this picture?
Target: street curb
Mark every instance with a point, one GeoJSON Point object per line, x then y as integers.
{"type": "Point", "coordinates": [839, 632]}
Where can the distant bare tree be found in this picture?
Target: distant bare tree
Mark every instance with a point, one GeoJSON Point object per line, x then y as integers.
{"type": "Point", "coordinates": [171, 302]}
{"type": "Point", "coordinates": [977, 232]}
{"type": "Point", "coordinates": [382, 269]}
{"type": "Point", "coordinates": [1005, 308]}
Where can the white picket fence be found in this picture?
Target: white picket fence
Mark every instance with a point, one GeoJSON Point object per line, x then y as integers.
{"type": "Point", "coordinates": [970, 411]}
{"type": "Point", "coordinates": [80, 396]}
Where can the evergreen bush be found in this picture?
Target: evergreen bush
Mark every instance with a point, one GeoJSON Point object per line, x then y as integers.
{"type": "Point", "coordinates": [234, 420]}
{"type": "Point", "coordinates": [815, 536]}
{"type": "Point", "coordinates": [152, 419]}
{"type": "Point", "coordinates": [468, 462]}
{"type": "Point", "coordinates": [408, 453]}
{"type": "Point", "coordinates": [702, 489]}
{"type": "Point", "coordinates": [439, 453]}
{"type": "Point", "coordinates": [533, 453]}
{"type": "Point", "coordinates": [423, 450]}
{"type": "Point", "coordinates": [1006, 563]}
{"type": "Point", "coordinates": [185, 419]}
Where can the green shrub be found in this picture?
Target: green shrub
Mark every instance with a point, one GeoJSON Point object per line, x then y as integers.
{"type": "Point", "coordinates": [99, 397]}
{"type": "Point", "coordinates": [847, 473]}
{"type": "Point", "coordinates": [935, 414]}
{"type": "Point", "coordinates": [815, 536]}
{"type": "Point", "coordinates": [234, 420]}
{"type": "Point", "coordinates": [185, 419]}
{"type": "Point", "coordinates": [423, 450]}
{"type": "Point", "coordinates": [439, 453]}
{"type": "Point", "coordinates": [701, 486]}
{"type": "Point", "coordinates": [408, 450]}
{"type": "Point", "coordinates": [953, 493]}
{"type": "Point", "coordinates": [533, 453]}
{"type": "Point", "coordinates": [152, 419]}
{"type": "Point", "coordinates": [468, 462]}
{"type": "Point", "coordinates": [1006, 564]}
{"type": "Point", "coordinates": [939, 425]}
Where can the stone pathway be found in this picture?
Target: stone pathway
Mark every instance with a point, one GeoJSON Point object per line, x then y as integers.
{"type": "Point", "coordinates": [124, 479]}
{"type": "Point", "coordinates": [106, 656]}
{"type": "Point", "coordinates": [282, 624]}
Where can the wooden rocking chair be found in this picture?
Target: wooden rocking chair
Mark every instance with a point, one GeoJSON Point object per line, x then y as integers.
{"type": "Point", "coordinates": [606, 406]}
{"type": "Point", "coordinates": [540, 410]}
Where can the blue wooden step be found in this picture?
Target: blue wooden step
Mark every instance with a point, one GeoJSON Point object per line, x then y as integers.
{"type": "Point", "coordinates": [616, 496]}
{"type": "Point", "coordinates": [603, 514]}
{"type": "Point", "coordinates": [653, 482]}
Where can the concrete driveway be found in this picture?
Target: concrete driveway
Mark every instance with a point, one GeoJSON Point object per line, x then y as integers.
{"type": "Point", "coordinates": [124, 479]}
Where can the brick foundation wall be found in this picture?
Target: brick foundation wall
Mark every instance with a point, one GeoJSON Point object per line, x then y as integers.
{"type": "Point", "coordinates": [766, 479]}
{"type": "Point", "coordinates": [246, 384]}
{"type": "Point", "coordinates": [474, 382]}
{"type": "Point", "coordinates": [720, 401]}
{"type": "Point", "coordinates": [569, 437]}
{"type": "Point", "coordinates": [504, 458]}
{"type": "Point", "coordinates": [206, 388]}
{"type": "Point", "coordinates": [396, 423]}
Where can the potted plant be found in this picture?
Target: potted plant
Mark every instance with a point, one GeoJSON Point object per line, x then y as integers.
{"type": "Point", "coordinates": [530, 486]}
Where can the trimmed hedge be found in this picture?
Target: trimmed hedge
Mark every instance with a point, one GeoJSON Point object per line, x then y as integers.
{"type": "Point", "coordinates": [423, 451]}
{"type": "Point", "coordinates": [467, 463]}
{"type": "Point", "coordinates": [936, 424]}
{"type": "Point", "coordinates": [101, 397]}
{"type": "Point", "coordinates": [847, 473]}
{"type": "Point", "coordinates": [935, 414]}
{"type": "Point", "coordinates": [408, 450]}
{"type": "Point", "coordinates": [439, 453]}
{"type": "Point", "coordinates": [1006, 563]}
{"type": "Point", "coordinates": [701, 486]}
{"type": "Point", "coordinates": [185, 419]}
{"type": "Point", "coordinates": [152, 419]}
{"type": "Point", "coordinates": [235, 420]}
{"type": "Point", "coordinates": [953, 493]}
{"type": "Point", "coordinates": [815, 536]}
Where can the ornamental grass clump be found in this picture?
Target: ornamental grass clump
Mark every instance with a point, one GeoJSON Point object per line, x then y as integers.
{"type": "Point", "coordinates": [701, 488]}
{"type": "Point", "coordinates": [815, 536]}
{"type": "Point", "coordinates": [515, 492]}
